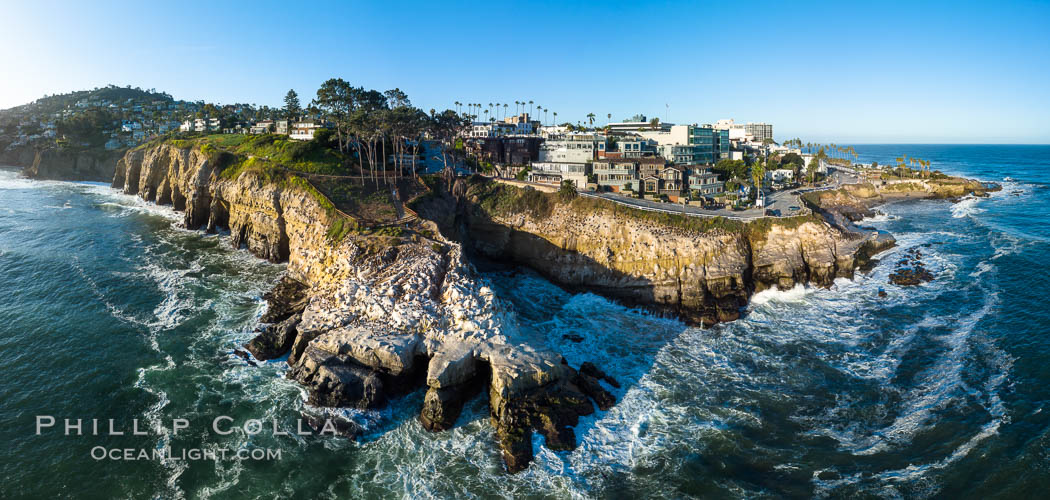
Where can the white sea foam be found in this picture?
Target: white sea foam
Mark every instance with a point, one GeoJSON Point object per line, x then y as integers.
{"type": "Point", "coordinates": [794, 295]}
{"type": "Point", "coordinates": [966, 208]}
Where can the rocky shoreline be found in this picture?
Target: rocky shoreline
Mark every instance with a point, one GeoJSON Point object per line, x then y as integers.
{"type": "Point", "coordinates": [700, 275]}
{"type": "Point", "coordinates": [371, 317]}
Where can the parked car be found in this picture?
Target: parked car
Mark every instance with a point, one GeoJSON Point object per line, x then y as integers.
{"type": "Point", "coordinates": [772, 212]}
{"type": "Point", "coordinates": [793, 207]}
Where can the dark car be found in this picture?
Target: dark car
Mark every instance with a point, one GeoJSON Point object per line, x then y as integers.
{"type": "Point", "coordinates": [772, 213]}
{"type": "Point", "coordinates": [793, 207]}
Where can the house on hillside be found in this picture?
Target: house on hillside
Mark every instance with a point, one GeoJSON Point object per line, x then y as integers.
{"type": "Point", "coordinates": [262, 127]}
{"type": "Point", "coordinates": [304, 131]}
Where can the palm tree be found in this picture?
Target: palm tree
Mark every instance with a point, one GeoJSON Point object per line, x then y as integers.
{"type": "Point", "coordinates": [504, 111]}
{"type": "Point", "coordinates": [590, 118]}
{"type": "Point", "coordinates": [555, 117]}
{"type": "Point", "coordinates": [545, 115]}
{"type": "Point", "coordinates": [609, 117]}
{"type": "Point", "coordinates": [530, 108]}
{"type": "Point", "coordinates": [457, 106]}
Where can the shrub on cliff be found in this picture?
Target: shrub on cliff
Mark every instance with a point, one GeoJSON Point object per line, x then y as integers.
{"type": "Point", "coordinates": [567, 192]}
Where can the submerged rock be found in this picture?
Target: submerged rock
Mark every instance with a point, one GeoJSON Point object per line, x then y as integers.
{"type": "Point", "coordinates": [910, 270]}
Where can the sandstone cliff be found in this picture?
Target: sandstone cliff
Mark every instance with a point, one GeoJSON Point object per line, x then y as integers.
{"type": "Point", "coordinates": [380, 314]}
{"type": "Point", "coordinates": [72, 165]}
{"type": "Point", "coordinates": [852, 202]}
{"type": "Point", "coordinates": [701, 271]}
{"type": "Point", "coordinates": [17, 156]}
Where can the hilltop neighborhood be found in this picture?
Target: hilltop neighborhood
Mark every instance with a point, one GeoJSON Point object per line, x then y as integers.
{"type": "Point", "coordinates": [722, 165]}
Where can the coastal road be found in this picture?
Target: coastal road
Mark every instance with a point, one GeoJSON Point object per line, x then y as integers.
{"type": "Point", "coordinates": [753, 213]}
{"type": "Point", "coordinates": [787, 202]}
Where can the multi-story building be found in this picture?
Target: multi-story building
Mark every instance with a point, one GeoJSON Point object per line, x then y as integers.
{"type": "Point", "coordinates": [679, 154]}
{"type": "Point", "coordinates": [650, 166]}
{"type": "Point", "coordinates": [737, 131]}
{"type": "Point", "coordinates": [672, 180]}
{"type": "Point", "coordinates": [759, 131]}
{"type": "Point", "coordinates": [512, 150]}
{"type": "Point", "coordinates": [617, 174]}
{"type": "Point", "coordinates": [304, 131]}
{"type": "Point", "coordinates": [632, 147]}
{"type": "Point", "coordinates": [490, 129]}
{"type": "Point", "coordinates": [555, 173]}
{"type": "Point", "coordinates": [705, 182]}
{"type": "Point", "coordinates": [709, 144]}
{"type": "Point", "coordinates": [713, 144]}
{"type": "Point", "coordinates": [262, 127]}
{"type": "Point", "coordinates": [572, 148]}
{"type": "Point", "coordinates": [638, 123]}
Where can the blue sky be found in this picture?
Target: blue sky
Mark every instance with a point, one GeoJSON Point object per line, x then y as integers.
{"type": "Point", "coordinates": [822, 71]}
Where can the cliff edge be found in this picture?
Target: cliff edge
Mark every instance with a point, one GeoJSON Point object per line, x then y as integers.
{"type": "Point", "coordinates": [366, 315]}
{"type": "Point", "coordinates": [703, 270]}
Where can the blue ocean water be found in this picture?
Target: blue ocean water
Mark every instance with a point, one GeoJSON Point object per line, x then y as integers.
{"type": "Point", "coordinates": [111, 311]}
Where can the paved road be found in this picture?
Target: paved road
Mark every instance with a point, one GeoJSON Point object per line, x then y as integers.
{"type": "Point", "coordinates": [677, 207]}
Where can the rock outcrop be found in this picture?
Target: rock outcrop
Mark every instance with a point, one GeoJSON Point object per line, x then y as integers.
{"type": "Point", "coordinates": [21, 155]}
{"type": "Point", "coordinates": [702, 276]}
{"type": "Point", "coordinates": [383, 315]}
{"type": "Point", "coordinates": [73, 165]}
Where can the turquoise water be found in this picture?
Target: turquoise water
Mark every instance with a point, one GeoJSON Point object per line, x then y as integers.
{"type": "Point", "coordinates": [111, 311]}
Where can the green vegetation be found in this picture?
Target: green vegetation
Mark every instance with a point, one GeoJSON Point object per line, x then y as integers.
{"type": "Point", "coordinates": [729, 170]}
{"type": "Point", "coordinates": [301, 156]}
{"type": "Point", "coordinates": [567, 191]}
{"type": "Point", "coordinates": [758, 229]}
{"type": "Point", "coordinates": [340, 228]}
{"type": "Point", "coordinates": [503, 199]}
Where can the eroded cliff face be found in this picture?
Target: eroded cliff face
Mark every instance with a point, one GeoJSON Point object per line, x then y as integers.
{"type": "Point", "coordinates": [17, 156]}
{"type": "Point", "coordinates": [376, 316]}
{"type": "Point", "coordinates": [702, 277]}
{"type": "Point", "coordinates": [274, 223]}
{"type": "Point", "coordinates": [853, 202]}
{"type": "Point", "coordinates": [72, 165]}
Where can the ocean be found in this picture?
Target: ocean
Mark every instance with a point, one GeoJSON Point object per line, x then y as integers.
{"type": "Point", "coordinates": [110, 311]}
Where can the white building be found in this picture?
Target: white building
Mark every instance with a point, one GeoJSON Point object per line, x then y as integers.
{"type": "Point", "coordinates": [490, 129]}
{"type": "Point", "coordinates": [637, 124]}
{"type": "Point", "coordinates": [571, 148]}
{"type": "Point", "coordinates": [780, 176]}
{"type": "Point", "coordinates": [262, 127]}
{"type": "Point", "coordinates": [554, 173]}
{"type": "Point", "coordinates": [759, 131]}
{"type": "Point", "coordinates": [304, 131]}
{"type": "Point", "coordinates": [737, 131]}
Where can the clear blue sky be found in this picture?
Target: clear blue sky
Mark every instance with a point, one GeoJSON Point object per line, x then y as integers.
{"type": "Point", "coordinates": [887, 72]}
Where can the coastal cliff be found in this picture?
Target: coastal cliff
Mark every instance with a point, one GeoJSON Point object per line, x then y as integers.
{"type": "Point", "coordinates": [701, 270]}
{"type": "Point", "coordinates": [71, 164]}
{"type": "Point", "coordinates": [852, 202]}
{"type": "Point", "coordinates": [369, 315]}
{"type": "Point", "coordinates": [17, 156]}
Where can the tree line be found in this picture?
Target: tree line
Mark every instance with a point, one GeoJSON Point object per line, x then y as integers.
{"type": "Point", "coordinates": [367, 122]}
